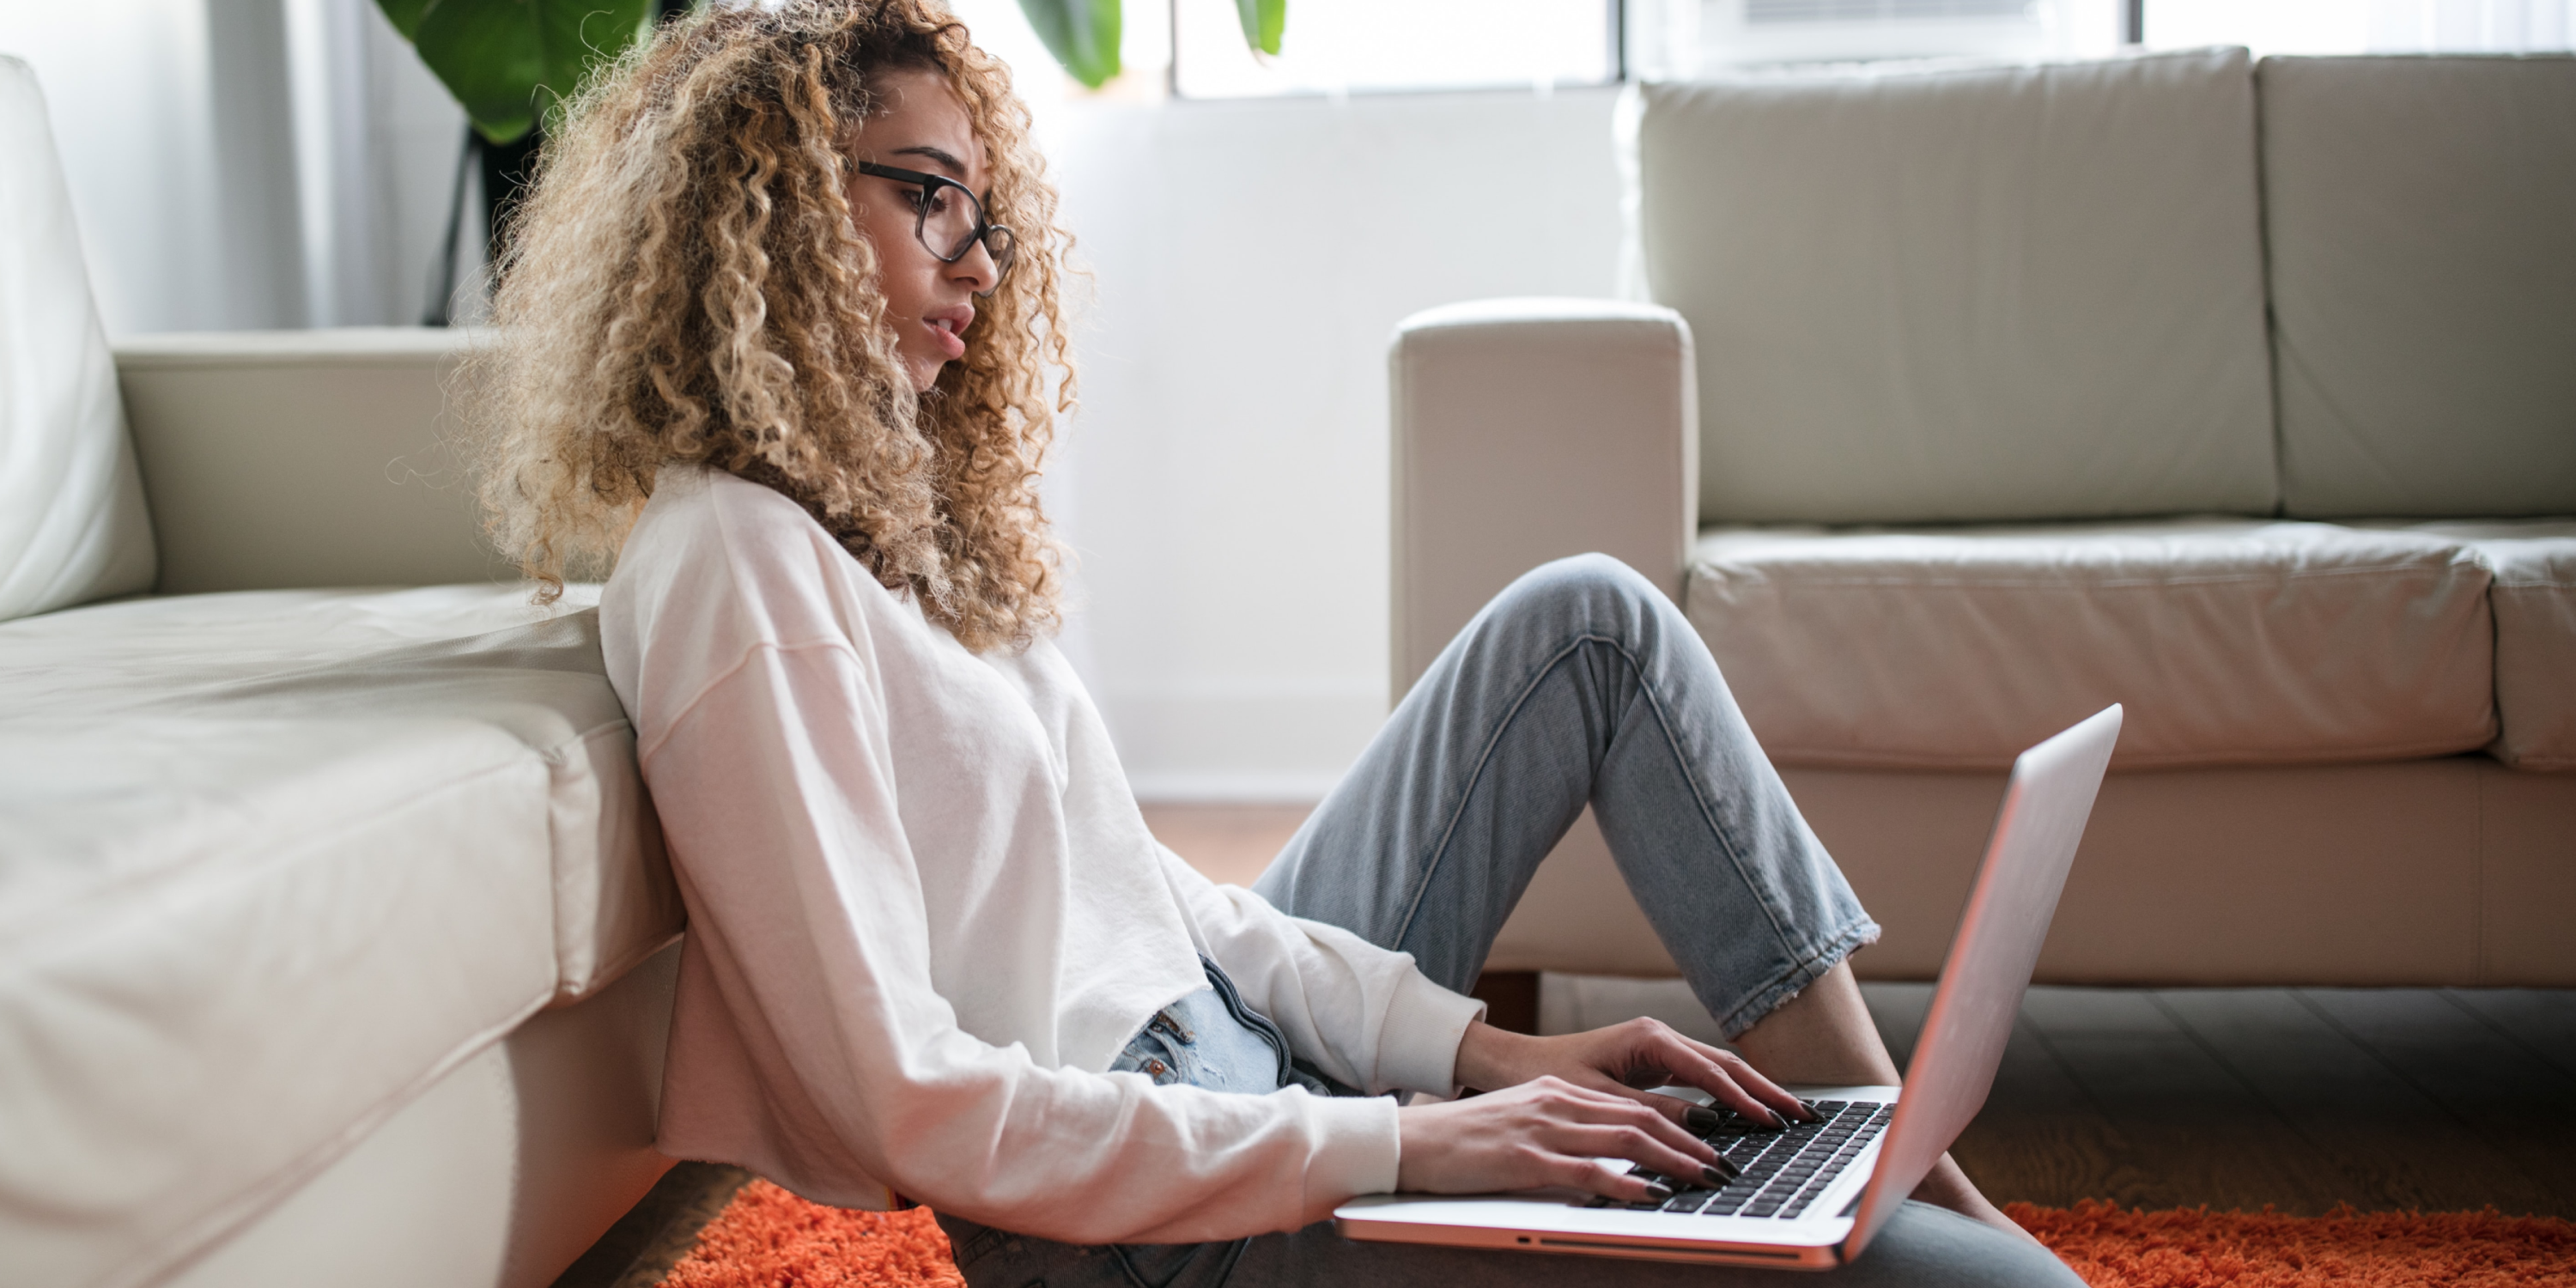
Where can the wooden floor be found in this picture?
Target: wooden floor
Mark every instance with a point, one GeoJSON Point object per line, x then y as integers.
{"type": "Point", "coordinates": [1230, 843]}
{"type": "Point", "coordinates": [2299, 1099]}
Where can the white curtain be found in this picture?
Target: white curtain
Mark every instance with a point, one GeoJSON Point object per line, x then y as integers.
{"type": "Point", "coordinates": [244, 163]}
{"type": "Point", "coordinates": [378, 140]}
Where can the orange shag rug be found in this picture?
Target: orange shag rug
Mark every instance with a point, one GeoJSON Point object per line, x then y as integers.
{"type": "Point", "coordinates": [769, 1238]}
{"type": "Point", "coordinates": [2190, 1248]}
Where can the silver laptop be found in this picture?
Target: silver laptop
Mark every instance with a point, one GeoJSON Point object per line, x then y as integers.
{"type": "Point", "coordinates": [1813, 1196]}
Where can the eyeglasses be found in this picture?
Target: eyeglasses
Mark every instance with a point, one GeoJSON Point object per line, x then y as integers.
{"type": "Point", "coordinates": [949, 219]}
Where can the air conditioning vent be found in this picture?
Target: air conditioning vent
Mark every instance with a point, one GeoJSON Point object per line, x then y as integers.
{"type": "Point", "coordinates": [1768, 12]}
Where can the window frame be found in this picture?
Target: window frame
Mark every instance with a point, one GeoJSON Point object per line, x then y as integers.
{"type": "Point", "coordinates": [1616, 33]}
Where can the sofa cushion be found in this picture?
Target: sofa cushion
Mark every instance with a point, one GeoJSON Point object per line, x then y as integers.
{"type": "Point", "coordinates": [2533, 595]}
{"type": "Point", "coordinates": [72, 522]}
{"type": "Point", "coordinates": [2421, 219]}
{"type": "Point", "coordinates": [229, 948]}
{"type": "Point", "coordinates": [2030, 292]}
{"type": "Point", "coordinates": [475, 653]}
{"type": "Point", "coordinates": [2231, 641]}
{"type": "Point", "coordinates": [272, 862]}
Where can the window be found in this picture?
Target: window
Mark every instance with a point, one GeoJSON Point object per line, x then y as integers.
{"type": "Point", "coordinates": [1346, 46]}
{"type": "Point", "coordinates": [1711, 35]}
{"type": "Point", "coordinates": [2363, 26]}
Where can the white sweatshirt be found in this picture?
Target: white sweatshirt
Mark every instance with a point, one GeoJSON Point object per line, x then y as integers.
{"type": "Point", "coordinates": [925, 915]}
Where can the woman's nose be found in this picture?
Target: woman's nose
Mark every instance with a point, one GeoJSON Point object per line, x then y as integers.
{"type": "Point", "coordinates": [977, 269]}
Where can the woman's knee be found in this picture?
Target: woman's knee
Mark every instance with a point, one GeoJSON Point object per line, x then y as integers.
{"type": "Point", "coordinates": [1585, 587]}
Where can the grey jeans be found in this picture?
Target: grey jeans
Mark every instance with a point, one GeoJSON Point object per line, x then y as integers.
{"type": "Point", "coordinates": [1579, 685]}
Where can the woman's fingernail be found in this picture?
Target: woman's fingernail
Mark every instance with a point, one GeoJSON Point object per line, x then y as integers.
{"type": "Point", "coordinates": [1702, 1119]}
{"type": "Point", "coordinates": [1776, 1118]}
{"type": "Point", "coordinates": [1658, 1193]}
{"type": "Point", "coordinates": [1722, 1172]}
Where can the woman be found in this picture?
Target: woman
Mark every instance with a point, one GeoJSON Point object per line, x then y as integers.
{"type": "Point", "coordinates": [780, 324]}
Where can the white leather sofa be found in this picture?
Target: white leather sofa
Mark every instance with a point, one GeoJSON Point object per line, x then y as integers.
{"type": "Point", "coordinates": [336, 945]}
{"type": "Point", "coordinates": [1962, 401]}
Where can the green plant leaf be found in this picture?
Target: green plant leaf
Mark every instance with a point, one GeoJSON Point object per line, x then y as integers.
{"type": "Point", "coordinates": [1082, 34]}
{"type": "Point", "coordinates": [405, 14]}
{"type": "Point", "coordinates": [509, 61]}
{"type": "Point", "coordinates": [1263, 22]}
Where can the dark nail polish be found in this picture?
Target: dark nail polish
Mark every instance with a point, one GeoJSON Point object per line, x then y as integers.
{"type": "Point", "coordinates": [1722, 1172]}
{"type": "Point", "coordinates": [1701, 1119]}
{"type": "Point", "coordinates": [1658, 1193]}
{"type": "Point", "coordinates": [1776, 1119]}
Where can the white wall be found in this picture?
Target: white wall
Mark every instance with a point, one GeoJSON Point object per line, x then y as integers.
{"type": "Point", "coordinates": [1229, 465]}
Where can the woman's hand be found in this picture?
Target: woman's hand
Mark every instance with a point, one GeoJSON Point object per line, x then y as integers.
{"type": "Point", "coordinates": [1624, 1060]}
{"type": "Point", "coordinates": [1555, 1107]}
{"type": "Point", "coordinates": [1546, 1131]}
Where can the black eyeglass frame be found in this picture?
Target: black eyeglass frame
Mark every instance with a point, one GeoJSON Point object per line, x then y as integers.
{"type": "Point", "coordinates": [984, 228]}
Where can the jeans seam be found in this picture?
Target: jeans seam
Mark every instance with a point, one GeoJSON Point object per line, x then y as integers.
{"type": "Point", "coordinates": [1484, 760]}
{"type": "Point", "coordinates": [1726, 844]}
{"type": "Point", "coordinates": [1804, 954]}
{"type": "Point", "coordinates": [1805, 957]}
{"type": "Point", "coordinates": [1261, 1025]}
{"type": "Point", "coordinates": [985, 1241]}
{"type": "Point", "coordinates": [1732, 848]}
{"type": "Point", "coordinates": [1225, 1267]}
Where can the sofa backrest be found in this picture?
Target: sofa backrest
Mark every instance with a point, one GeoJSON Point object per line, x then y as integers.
{"type": "Point", "coordinates": [2421, 218]}
{"type": "Point", "coordinates": [304, 458]}
{"type": "Point", "coordinates": [72, 520]}
{"type": "Point", "coordinates": [1982, 293]}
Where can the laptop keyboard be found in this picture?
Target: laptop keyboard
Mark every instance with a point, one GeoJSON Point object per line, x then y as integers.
{"type": "Point", "coordinates": [1782, 1172]}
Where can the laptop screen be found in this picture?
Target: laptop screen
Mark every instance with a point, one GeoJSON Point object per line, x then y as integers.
{"type": "Point", "coordinates": [2046, 804]}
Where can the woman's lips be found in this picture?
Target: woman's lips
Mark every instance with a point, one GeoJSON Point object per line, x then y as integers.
{"type": "Point", "coordinates": [948, 324]}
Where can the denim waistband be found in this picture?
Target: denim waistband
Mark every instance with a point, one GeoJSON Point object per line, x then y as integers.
{"type": "Point", "coordinates": [1214, 1040]}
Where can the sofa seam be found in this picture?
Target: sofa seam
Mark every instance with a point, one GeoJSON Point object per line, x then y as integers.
{"type": "Point", "coordinates": [1792, 758]}
{"type": "Point", "coordinates": [273, 1188]}
{"type": "Point", "coordinates": [2254, 77]}
{"type": "Point", "coordinates": [281, 1184]}
{"type": "Point", "coordinates": [1738, 573]}
{"type": "Point", "coordinates": [2478, 855]}
{"type": "Point", "coordinates": [605, 971]}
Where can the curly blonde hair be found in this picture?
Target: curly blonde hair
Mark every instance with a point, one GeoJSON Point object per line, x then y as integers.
{"type": "Point", "coordinates": [686, 283]}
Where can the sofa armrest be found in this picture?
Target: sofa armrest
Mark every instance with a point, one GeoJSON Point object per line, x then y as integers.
{"type": "Point", "coordinates": [1527, 430]}
{"type": "Point", "coordinates": [277, 459]}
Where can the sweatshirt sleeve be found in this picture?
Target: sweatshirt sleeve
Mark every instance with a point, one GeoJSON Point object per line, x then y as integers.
{"type": "Point", "coordinates": [777, 794]}
{"type": "Point", "coordinates": [1359, 1012]}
